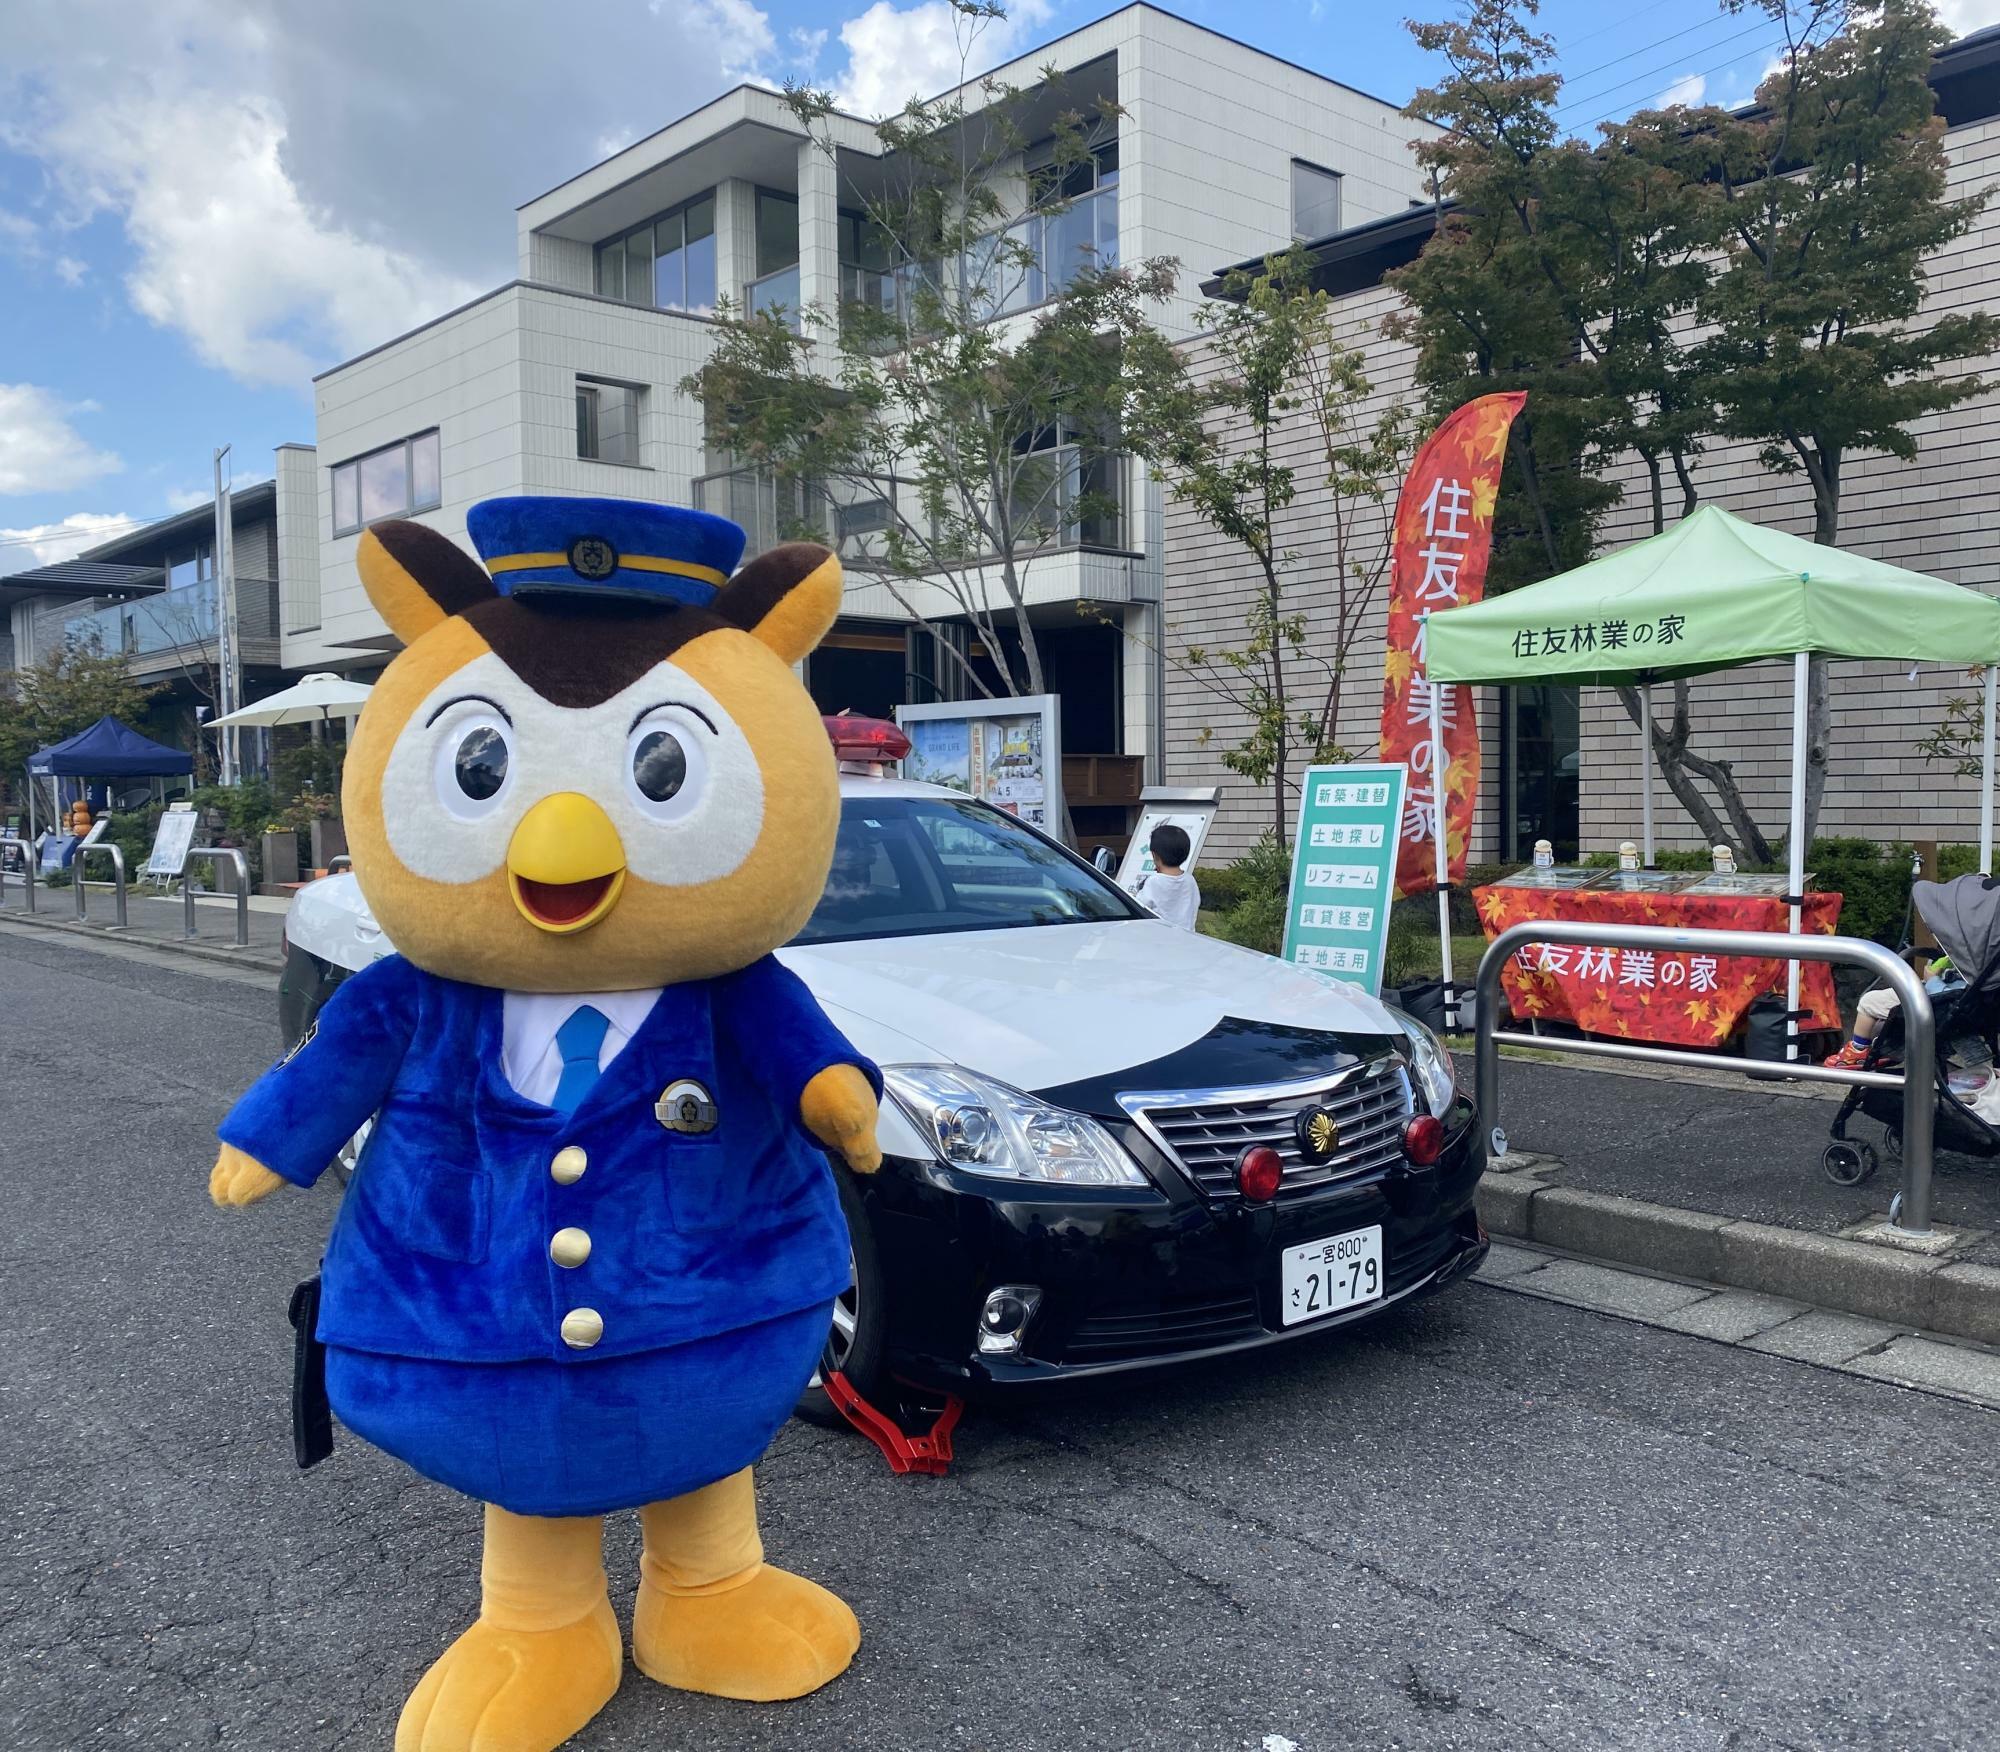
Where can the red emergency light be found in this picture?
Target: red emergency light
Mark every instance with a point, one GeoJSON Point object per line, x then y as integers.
{"type": "Point", "coordinates": [867, 740]}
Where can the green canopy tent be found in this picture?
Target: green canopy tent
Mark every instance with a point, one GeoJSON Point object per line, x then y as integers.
{"type": "Point", "coordinates": [1715, 592]}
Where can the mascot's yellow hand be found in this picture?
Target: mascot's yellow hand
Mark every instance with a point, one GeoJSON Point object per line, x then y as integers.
{"type": "Point", "coordinates": [237, 1179]}
{"type": "Point", "coordinates": [839, 1109]}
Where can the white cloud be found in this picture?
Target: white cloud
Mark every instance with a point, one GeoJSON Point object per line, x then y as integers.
{"type": "Point", "coordinates": [296, 184]}
{"type": "Point", "coordinates": [44, 544]}
{"type": "Point", "coordinates": [1688, 89]}
{"type": "Point", "coordinates": [40, 451]}
{"type": "Point", "coordinates": [918, 51]}
{"type": "Point", "coordinates": [741, 32]}
{"type": "Point", "coordinates": [1966, 16]}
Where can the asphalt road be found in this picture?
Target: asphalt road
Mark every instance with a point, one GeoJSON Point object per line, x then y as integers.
{"type": "Point", "coordinates": [1489, 1521]}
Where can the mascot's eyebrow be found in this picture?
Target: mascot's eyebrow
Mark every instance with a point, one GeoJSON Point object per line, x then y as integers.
{"type": "Point", "coordinates": [646, 712]}
{"type": "Point", "coordinates": [470, 699]}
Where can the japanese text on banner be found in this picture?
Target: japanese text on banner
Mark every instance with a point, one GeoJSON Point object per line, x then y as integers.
{"type": "Point", "coordinates": [1443, 538]}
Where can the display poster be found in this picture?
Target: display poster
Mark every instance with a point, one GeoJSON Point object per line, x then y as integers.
{"type": "Point", "coordinates": [1442, 539]}
{"type": "Point", "coordinates": [171, 843]}
{"type": "Point", "coordinates": [13, 853]}
{"type": "Point", "coordinates": [1004, 752]}
{"type": "Point", "coordinates": [1344, 871]}
{"type": "Point", "coordinates": [1190, 810]}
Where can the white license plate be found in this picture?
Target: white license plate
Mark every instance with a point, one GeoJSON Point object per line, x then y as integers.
{"type": "Point", "coordinates": [1330, 1276]}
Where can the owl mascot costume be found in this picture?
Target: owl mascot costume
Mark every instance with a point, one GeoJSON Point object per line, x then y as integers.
{"type": "Point", "coordinates": [588, 1258]}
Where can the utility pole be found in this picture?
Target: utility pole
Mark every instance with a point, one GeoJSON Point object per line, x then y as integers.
{"type": "Point", "coordinates": [229, 683]}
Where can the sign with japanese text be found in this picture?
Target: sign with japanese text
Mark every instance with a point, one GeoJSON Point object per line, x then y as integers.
{"type": "Point", "coordinates": [1008, 752]}
{"type": "Point", "coordinates": [1671, 997]}
{"type": "Point", "coordinates": [1344, 871]}
{"type": "Point", "coordinates": [1442, 540]}
{"type": "Point", "coordinates": [171, 841]}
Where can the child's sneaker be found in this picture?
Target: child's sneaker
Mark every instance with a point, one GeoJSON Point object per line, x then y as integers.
{"type": "Point", "coordinates": [1849, 1058]}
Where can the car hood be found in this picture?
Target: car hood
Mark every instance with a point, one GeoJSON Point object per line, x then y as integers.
{"type": "Point", "coordinates": [1050, 1005]}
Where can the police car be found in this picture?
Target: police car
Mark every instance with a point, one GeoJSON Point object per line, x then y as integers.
{"type": "Point", "coordinates": [1108, 1144]}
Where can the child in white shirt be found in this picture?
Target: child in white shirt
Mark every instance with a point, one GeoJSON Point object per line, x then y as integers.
{"type": "Point", "coordinates": [1167, 889]}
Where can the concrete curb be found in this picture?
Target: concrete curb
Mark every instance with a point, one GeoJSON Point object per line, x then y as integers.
{"type": "Point", "coordinates": [1930, 1291]}
{"type": "Point", "coordinates": [256, 955]}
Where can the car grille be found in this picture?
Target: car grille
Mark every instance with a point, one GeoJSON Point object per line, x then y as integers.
{"type": "Point", "coordinates": [1160, 1332]}
{"type": "Point", "coordinates": [1204, 1132]}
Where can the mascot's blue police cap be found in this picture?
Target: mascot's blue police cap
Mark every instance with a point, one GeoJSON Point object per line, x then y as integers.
{"type": "Point", "coordinates": [544, 544]}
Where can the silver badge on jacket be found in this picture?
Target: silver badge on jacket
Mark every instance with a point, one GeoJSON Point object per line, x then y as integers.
{"type": "Point", "coordinates": [686, 1107]}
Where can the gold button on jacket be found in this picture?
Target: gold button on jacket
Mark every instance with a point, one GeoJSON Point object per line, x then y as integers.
{"type": "Point", "coordinates": [569, 1164]}
{"type": "Point", "coordinates": [569, 1247]}
{"type": "Point", "coordinates": [582, 1328]}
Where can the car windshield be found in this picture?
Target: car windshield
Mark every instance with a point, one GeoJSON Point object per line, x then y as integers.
{"type": "Point", "coordinates": [907, 865]}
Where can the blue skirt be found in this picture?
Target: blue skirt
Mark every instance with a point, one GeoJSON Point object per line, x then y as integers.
{"type": "Point", "coordinates": [583, 1437]}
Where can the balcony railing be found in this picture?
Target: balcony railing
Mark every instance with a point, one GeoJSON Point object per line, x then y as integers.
{"type": "Point", "coordinates": [1081, 505]}
{"type": "Point", "coordinates": [1041, 255]}
{"type": "Point", "coordinates": [176, 620]}
{"type": "Point", "coordinates": [776, 293]}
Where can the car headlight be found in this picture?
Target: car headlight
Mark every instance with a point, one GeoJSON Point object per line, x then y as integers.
{"type": "Point", "coordinates": [987, 1128]}
{"type": "Point", "coordinates": [1430, 1064]}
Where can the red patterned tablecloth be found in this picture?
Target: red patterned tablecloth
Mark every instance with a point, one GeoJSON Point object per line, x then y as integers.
{"type": "Point", "coordinates": [1674, 998]}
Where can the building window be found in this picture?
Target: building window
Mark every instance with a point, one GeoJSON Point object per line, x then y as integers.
{"type": "Point", "coordinates": [390, 482]}
{"type": "Point", "coordinates": [777, 231]}
{"type": "Point", "coordinates": [1315, 201]}
{"type": "Point", "coordinates": [191, 565]}
{"type": "Point", "coordinates": [668, 262]}
{"type": "Point", "coordinates": [607, 421]}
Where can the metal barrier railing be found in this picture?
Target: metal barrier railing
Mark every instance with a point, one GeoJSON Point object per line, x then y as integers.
{"type": "Point", "coordinates": [117, 880]}
{"type": "Point", "coordinates": [27, 880]}
{"type": "Point", "coordinates": [242, 869]}
{"type": "Point", "coordinates": [1910, 1214]}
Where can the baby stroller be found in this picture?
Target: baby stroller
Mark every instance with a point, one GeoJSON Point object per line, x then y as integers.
{"type": "Point", "coordinates": [1964, 915]}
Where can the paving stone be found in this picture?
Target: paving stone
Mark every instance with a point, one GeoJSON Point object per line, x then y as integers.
{"type": "Point", "coordinates": [1947, 1368]}
{"type": "Point", "coordinates": [1613, 1292]}
{"type": "Point", "coordinates": [1820, 1337]}
{"type": "Point", "coordinates": [1504, 1262]}
{"type": "Point", "coordinates": [1733, 1315]}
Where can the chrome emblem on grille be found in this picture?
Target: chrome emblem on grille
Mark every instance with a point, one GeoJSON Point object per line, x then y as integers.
{"type": "Point", "coordinates": [1318, 1134]}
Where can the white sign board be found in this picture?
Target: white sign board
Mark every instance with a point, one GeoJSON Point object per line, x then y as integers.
{"type": "Point", "coordinates": [171, 843]}
{"type": "Point", "coordinates": [1165, 806]}
{"type": "Point", "coordinates": [1006, 752]}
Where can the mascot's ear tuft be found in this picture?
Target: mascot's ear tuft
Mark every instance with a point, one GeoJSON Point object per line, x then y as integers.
{"type": "Point", "coordinates": [416, 577]}
{"type": "Point", "coordinates": [787, 597]}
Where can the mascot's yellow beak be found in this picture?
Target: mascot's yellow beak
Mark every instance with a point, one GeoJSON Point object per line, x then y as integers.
{"type": "Point", "coordinates": [565, 864]}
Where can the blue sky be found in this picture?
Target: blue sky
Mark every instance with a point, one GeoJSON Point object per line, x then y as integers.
{"type": "Point", "coordinates": [202, 202]}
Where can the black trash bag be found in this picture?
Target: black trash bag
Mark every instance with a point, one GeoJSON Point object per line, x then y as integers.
{"type": "Point", "coordinates": [1424, 1000]}
{"type": "Point", "coordinates": [1764, 1034]}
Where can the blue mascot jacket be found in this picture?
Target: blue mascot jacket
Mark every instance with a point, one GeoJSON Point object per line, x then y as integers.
{"type": "Point", "coordinates": [712, 1258]}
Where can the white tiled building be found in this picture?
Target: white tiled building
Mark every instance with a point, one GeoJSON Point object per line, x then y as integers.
{"type": "Point", "coordinates": [565, 380]}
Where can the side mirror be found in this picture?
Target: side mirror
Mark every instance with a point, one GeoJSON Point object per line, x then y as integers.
{"type": "Point", "coordinates": [1104, 861]}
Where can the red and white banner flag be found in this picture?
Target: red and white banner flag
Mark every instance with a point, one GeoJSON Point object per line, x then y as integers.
{"type": "Point", "coordinates": [1442, 540]}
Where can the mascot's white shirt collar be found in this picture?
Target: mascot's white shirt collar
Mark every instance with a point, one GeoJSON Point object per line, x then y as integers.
{"type": "Point", "coordinates": [529, 1021]}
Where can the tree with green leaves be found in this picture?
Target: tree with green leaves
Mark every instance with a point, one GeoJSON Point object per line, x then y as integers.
{"type": "Point", "coordinates": [1281, 364]}
{"type": "Point", "coordinates": [1835, 191]}
{"type": "Point", "coordinates": [992, 365]}
{"type": "Point", "coordinates": [67, 691]}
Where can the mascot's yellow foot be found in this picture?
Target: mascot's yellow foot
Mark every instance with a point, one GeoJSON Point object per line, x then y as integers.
{"type": "Point", "coordinates": [498, 1690]}
{"type": "Point", "coordinates": [772, 1636]}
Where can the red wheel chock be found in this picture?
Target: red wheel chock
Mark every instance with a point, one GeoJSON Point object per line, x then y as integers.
{"type": "Point", "coordinates": [925, 1450]}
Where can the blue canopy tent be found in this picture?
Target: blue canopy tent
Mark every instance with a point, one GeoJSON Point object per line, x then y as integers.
{"type": "Point", "coordinates": [109, 749]}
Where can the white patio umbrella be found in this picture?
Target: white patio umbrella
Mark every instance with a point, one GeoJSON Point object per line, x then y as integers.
{"type": "Point", "coordinates": [311, 701]}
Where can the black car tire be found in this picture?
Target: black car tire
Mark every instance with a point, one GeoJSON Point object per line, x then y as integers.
{"type": "Point", "coordinates": [856, 1343]}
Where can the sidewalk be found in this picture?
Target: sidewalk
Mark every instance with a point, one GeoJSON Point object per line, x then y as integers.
{"type": "Point", "coordinates": [1713, 1178]}
{"type": "Point", "coordinates": [158, 923]}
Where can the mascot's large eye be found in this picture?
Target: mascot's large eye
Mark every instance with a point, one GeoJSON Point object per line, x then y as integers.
{"type": "Point", "coordinates": [664, 769]}
{"type": "Point", "coordinates": [659, 766]}
{"type": "Point", "coordinates": [473, 762]}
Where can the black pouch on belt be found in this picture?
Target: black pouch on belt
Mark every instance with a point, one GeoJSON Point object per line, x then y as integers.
{"type": "Point", "coordinates": [312, 1417]}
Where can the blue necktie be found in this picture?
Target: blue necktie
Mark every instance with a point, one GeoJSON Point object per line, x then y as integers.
{"type": "Point", "coordinates": [579, 1040]}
